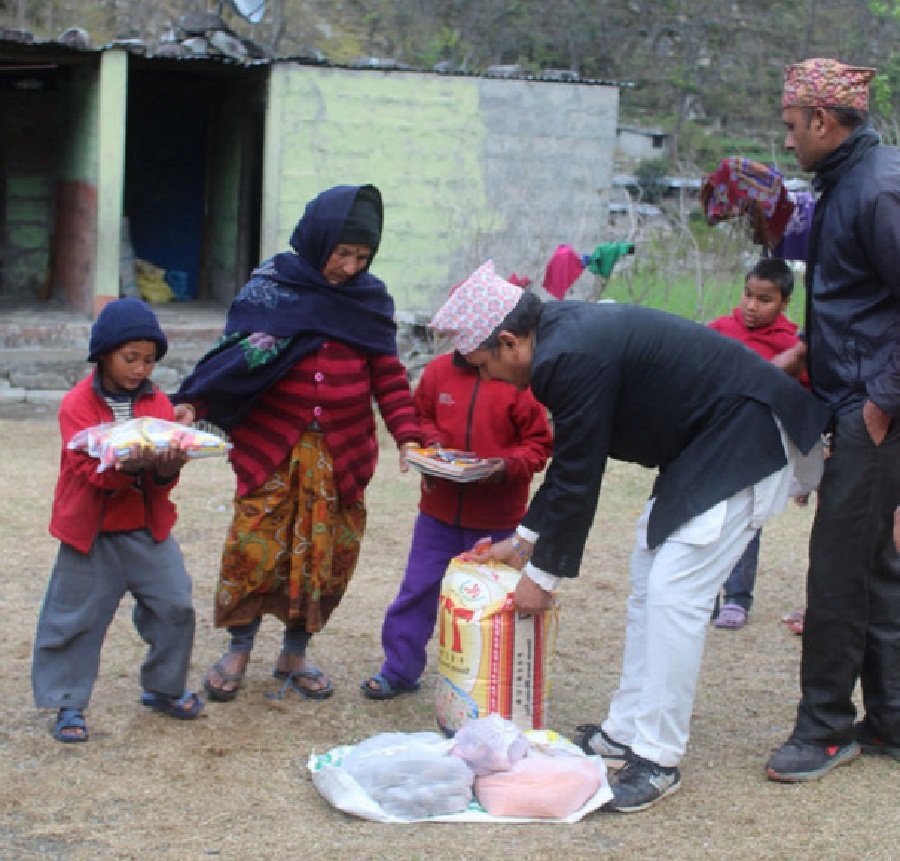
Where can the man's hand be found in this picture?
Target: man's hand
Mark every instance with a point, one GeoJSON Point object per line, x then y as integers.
{"type": "Point", "coordinates": [530, 598]}
{"type": "Point", "coordinates": [878, 422]}
{"type": "Point", "coordinates": [513, 551]}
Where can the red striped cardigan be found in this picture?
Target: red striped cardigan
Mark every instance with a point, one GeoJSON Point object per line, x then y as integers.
{"type": "Point", "coordinates": [335, 387]}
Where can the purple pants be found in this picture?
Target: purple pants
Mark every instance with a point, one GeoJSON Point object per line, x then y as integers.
{"type": "Point", "coordinates": [410, 620]}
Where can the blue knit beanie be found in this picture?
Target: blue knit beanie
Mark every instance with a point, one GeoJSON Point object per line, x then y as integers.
{"type": "Point", "coordinates": [124, 320]}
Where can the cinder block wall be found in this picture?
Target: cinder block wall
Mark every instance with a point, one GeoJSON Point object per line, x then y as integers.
{"type": "Point", "coordinates": [28, 128]}
{"type": "Point", "coordinates": [470, 168]}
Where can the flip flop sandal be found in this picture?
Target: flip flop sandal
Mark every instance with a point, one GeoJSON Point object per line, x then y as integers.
{"type": "Point", "coordinates": [385, 690]}
{"type": "Point", "coordinates": [70, 719]}
{"type": "Point", "coordinates": [281, 675]}
{"type": "Point", "coordinates": [174, 708]}
{"type": "Point", "coordinates": [220, 695]}
{"type": "Point", "coordinates": [731, 616]}
{"type": "Point", "coordinates": [312, 674]}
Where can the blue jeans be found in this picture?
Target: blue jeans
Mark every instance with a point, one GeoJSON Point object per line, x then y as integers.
{"type": "Point", "coordinates": [739, 585]}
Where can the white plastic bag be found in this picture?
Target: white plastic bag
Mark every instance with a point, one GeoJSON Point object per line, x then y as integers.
{"type": "Point", "coordinates": [490, 744]}
{"type": "Point", "coordinates": [411, 775]}
{"type": "Point", "coordinates": [330, 777]}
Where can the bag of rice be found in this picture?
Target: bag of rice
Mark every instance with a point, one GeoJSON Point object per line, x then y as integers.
{"type": "Point", "coordinates": [491, 659]}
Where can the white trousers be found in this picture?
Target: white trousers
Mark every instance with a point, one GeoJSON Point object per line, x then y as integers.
{"type": "Point", "coordinates": [673, 589]}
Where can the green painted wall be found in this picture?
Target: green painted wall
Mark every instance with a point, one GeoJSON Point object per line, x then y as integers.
{"type": "Point", "coordinates": [470, 168]}
{"type": "Point", "coordinates": [418, 138]}
{"type": "Point", "coordinates": [27, 232]}
{"type": "Point", "coordinates": [30, 134]}
{"type": "Point", "coordinates": [80, 108]}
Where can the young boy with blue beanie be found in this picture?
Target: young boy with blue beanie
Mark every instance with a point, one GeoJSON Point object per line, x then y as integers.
{"type": "Point", "coordinates": [114, 529]}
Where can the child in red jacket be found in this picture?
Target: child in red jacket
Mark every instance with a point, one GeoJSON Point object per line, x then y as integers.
{"type": "Point", "coordinates": [114, 531]}
{"type": "Point", "coordinates": [759, 323]}
{"type": "Point", "coordinates": [498, 422]}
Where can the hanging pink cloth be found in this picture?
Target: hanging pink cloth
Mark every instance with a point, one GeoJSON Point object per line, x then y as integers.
{"type": "Point", "coordinates": [563, 268]}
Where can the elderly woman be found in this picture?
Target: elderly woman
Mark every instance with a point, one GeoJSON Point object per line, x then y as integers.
{"type": "Point", "coordinates": [309, 342]}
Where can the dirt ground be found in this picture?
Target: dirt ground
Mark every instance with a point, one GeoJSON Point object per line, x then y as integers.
{"type": "Point", "coordinates": [234, 784]}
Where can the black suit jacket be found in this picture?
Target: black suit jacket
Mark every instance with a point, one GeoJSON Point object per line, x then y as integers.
{"type": "Point", "coordinates": [652, 388]}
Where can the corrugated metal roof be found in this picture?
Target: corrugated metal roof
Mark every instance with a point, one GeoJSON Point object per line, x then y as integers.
{"type": "Point", "coordinates": [16, 48]}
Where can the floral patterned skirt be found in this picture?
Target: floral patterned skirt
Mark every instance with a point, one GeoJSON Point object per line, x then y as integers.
{"type": "Point", "coordinates": [292, 547]}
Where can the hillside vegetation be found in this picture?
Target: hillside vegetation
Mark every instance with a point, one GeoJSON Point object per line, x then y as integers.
{"type": "Point", "coordinates": [706, 70]}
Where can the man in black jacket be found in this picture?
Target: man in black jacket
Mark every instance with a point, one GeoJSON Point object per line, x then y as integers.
{"type": "Point", "coordinates": [851, 630]}
{"type": "Point", "coordinates": [725, 429]}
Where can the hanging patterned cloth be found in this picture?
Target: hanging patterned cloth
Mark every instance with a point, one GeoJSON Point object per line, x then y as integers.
{"type": "Point", "coordinates": [740, 187]}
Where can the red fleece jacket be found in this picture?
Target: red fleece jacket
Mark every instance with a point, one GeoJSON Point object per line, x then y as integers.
{"type": "Point", "coordinates": [459, 410]}
{"type": "Point", "coordinates": [87, 502]}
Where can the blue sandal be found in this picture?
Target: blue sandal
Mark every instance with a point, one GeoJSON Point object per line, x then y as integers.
{"type": "Point", "coordinates": [384, 690]}
{"type": "Point", "coordinates": [310, 674]}
{"type": "Point", "coordinates": [70, 719]}
{"type": "Point", "coordinates": [186, 707]}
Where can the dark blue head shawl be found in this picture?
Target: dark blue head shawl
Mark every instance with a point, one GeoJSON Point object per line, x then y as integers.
{"type": "Point", "coordinates": [287, 310]}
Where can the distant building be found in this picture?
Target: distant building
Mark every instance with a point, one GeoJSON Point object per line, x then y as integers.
{"type": "Point", "coordinates": [642, 143]}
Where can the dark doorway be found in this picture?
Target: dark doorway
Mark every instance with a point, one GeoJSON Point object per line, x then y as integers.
{"type": "Point", "coordinates": [193, 175]}
{"type": "Point", "coordinates": [165, 173]}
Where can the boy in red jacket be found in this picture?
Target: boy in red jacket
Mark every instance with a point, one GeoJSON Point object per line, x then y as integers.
{"type": "Point", "coordinates": [759, 322]}
{"type": "Point", "coordinates": [114, 528]}
{"type": "Point", "coordinates": [498, 422]}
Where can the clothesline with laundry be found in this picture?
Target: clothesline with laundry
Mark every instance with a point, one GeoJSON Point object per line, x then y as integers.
{"type": "Point", "coordinates": [566, 265]}
{"type": "Point", "coordinates": [781, 219]}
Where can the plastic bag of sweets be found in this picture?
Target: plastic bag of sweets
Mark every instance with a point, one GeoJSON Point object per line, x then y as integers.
{"type": "Point", "coordinates": [491, 659]}
{"type": "Point", "coordinates": [113, 442]}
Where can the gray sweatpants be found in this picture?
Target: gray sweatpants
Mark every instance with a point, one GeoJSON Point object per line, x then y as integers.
{"type": "Point", "coordinates": [82, 598]}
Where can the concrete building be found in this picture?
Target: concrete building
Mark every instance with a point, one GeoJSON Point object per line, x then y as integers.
{"type": "Point", "coordinates": [202, 166]}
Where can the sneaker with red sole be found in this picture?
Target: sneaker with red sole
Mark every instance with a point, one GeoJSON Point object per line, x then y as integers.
{"type": "Point", "coordinates": [797, 761]}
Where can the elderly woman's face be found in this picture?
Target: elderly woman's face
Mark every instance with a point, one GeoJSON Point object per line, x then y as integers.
{"type": "Point", "coordinates": [345, 262]}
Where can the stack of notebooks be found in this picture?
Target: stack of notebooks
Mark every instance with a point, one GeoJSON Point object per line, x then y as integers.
{"type": "Point", "coordinates": [448, 463]}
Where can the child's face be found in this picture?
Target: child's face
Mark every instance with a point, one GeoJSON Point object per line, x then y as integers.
{"type": "Point", "coordinates": [761, 303]}
{"type": "Point", "coordinates": [125, 368]}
